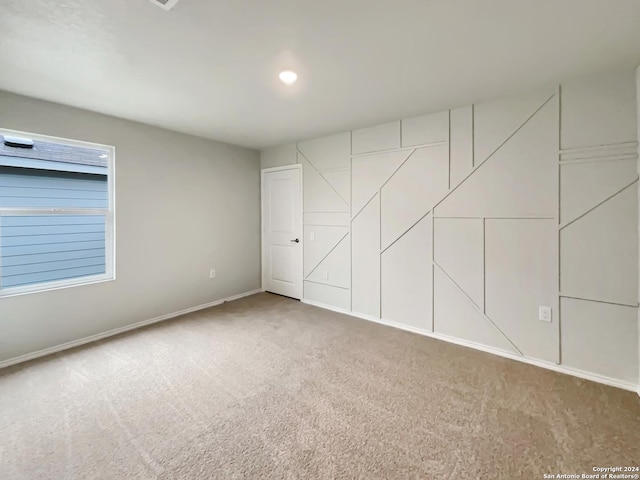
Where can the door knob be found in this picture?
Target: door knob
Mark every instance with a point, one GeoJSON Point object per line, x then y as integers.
{"type": "Point", "coordinates": [295, 240]}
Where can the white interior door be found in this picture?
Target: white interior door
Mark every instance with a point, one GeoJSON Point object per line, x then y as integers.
{"type": "Point", "coordinates": [282, 231]}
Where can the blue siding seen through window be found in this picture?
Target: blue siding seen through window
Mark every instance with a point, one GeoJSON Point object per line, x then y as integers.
{"type": "Point", "coordinates": [45, 248]}
{"type": "Point", "coordinates": [25, 187]}
{"type": "Point", "coordinates": [37, 249]}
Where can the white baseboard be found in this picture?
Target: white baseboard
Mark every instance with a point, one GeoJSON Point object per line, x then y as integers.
{"type": "Point", "coordinates": [328, 307]}
{"type": "Point", "coordinates": [116, 331]}
{"type": "Point", "coordinates": [594, 377]}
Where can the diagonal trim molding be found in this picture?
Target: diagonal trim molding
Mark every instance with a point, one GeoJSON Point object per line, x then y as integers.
{"type": "Point", "coordinates": [404, 233]}
{"type": "Point", "coordinates": [477, 308]}
{"type": "Point", "coordinates": [401, 149]}
{"type": "Point", "coordinates": [379, 190]}
{"type": "Point", "coordinates": [582, 215]}
{"type": "Point", "coordinates": [365, 206]}
{"type": "Point", "coordinates": [397, 169]}
{"type": "Point", "coordinates": [517, 129]}
{"type": "Point", "coordinates": [324, 178]}
{"type": "Point", "coordinates": [597, 300]}
{"type": "Point", "coordinates": [328, 253]}
{"type": "Point", "coordinates": [327, 284]}
{"type": "Point", "coordinates": [477, 167]}
{"type": "Point", "coordinates": [332, 187]}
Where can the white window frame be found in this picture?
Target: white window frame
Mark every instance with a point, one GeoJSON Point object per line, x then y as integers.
{"type": "Point", "coordinates": [109, 213]}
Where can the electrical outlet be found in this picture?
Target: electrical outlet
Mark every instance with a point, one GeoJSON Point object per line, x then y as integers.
{"type": "Point", "coordinates": [212, 273]}
{"type": "Point", "coordinates": [312, 235]}
{"type": "Point", "coordinates": [544, 314]}
{"type": "Point", "coordinates": [325, 274]}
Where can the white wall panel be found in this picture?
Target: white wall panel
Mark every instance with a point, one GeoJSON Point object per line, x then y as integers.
{"type": "Point", "coordinates": [335, 269]}
{"type": "Point", "coordinates": [375, 139]}
{"type": "Point", "coordinates": [600, 338]}
{"type": "Point", "coordinates": [585, 185]}
{"type": "Point", "coordinates": [365, 231]}
{"type": "Point", "coordinates": [407, 276]}
{"type": "Point", "coordinates": [599, 252]}
{"type": "Point", "coordinates": [318, 242]}
{"type": "Point", "coordinates": [520, 179]}
{"type": "Point", "coordinates": [494, 122]}
{"type": "Point", "coordinates": [327, 295]}
{"type": "Point", "coordinates": [340, 181]}
{"type": "Point", "coordinates": [328, 153]}
{"type": "Point", "coordinates": [425, 129]}
{"type": "Point", "coordinates": [455, 315]}
{"type": "Point", "coordinates": [413, 190]}
{"type": "Point", "coordinates": [326, 218]}
{"type": "Point", "coordinates": [459, 251]}
{"type": "Point", "coordinates": [368, 174]}
{"type": "Point", "coordinates": [599, 110]}
{"type": "Point", "coordinates": [521, 274]}
{"type": "Point", "coordinates": [461, 149]}
{"type": "Point", "coordinates": [319, 196]}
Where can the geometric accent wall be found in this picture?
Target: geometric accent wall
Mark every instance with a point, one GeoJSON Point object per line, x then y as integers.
{"type": "Point", "coordinates": [471, 258]}
{"type": "Point", "coordinates": [598, 226]}
{"type": "Point", "coordinates": [326, 166]}
{"type": "Point", "coordinates": [464, 222]}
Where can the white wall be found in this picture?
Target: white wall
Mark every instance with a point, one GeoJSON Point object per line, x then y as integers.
{"type": "Point", "coordinates": [279, 156]}
{"type": "Point", "coordinates": [462, 223]}
{"type": "Point", "coordinates": [183, 205]}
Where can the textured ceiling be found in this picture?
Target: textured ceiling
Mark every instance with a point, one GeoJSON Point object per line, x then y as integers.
{"type": "Point", "coordinates": [209, 67]}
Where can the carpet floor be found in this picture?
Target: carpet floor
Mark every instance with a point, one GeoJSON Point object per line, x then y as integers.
{"type": "Point", "coordinates": [269, 388]}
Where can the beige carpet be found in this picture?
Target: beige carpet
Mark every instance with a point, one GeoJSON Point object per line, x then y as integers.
{"type": "Point", "coordinates": [269, 388]}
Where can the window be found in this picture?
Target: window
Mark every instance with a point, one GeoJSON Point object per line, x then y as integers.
{"type": "Point", "coordinates": [56, 213]}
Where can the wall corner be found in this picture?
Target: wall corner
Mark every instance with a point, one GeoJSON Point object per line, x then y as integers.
{"type": "Point", "coordinates": [638, 147]}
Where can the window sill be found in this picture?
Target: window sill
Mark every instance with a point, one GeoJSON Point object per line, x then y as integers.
{"type": "Point", "coordinates": [48, 287]}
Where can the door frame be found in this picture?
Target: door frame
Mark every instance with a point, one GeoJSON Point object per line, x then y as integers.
{"type": "Point", "coordinates": [297, 166]}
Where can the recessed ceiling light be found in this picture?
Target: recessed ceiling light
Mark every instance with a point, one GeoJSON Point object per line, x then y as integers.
{"type": "Point", "coordinates": [288, 77]}
{"type": "Point", "coordinates": [104, 155]}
